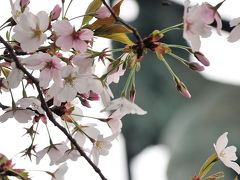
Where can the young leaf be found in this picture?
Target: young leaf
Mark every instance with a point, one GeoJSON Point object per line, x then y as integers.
{"type": "Point", "coordinates": [93, 6]}
{"type": "Point", "coordinates": [116, 8]}
{"type": "Point", "coordinates": [120, 37]}
{"type": "Point", "coordinates": [98, 23]}
{"type": "Point", "coordinates": [111, 29]}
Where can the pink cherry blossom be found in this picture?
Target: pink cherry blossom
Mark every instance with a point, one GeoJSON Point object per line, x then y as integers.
{"type": "Point", "coordinates": [55, 13]}
{"type": "Point", "coordinates": [69, 38]}
{"type": "Point", "coordinates": [29, 32]}
{"type": "Point", "coordinates": [196, 23]}
{"type": "Point", "coordinates": [50, 67]}
{"type": "Point", "coordinates": [102, 12]}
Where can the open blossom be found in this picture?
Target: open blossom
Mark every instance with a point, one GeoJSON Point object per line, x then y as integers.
{"type": "Point", "coordinates": [115, 74]}
{"type": "Point", "coordinates": [84, 62]}
{"type": "Point", "coordinates": [60, 172]}
{"type": "Point", "coordinates": [124, 106]}
{"type": "Point", "coordinates": [196, 23]}
{"type": "Point", "coordinates": [20, 114]}
{"type": "Point", "coordinates": [101, 146]}
{"type": "Point", "coordinates": [226, 154]}
{"type": "Point", "coordinates": [18, 8]}
{"type": "Point", "coordinates": [69, 38]}
{"type": "Point", "coordinates": [29, 32]}
{"type": "Point", "coordinates": [32, 102]}
{"type": "Point", "coordinates": [235, 33]}
{"type": "Point", "coordinates": [55, 152]}
{"type": "Point", "coordinates": [50, 67]}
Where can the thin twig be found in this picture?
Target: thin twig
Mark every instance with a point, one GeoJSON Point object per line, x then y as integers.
{"type": "Point", "coordinates": [134, 30]}
{"type": "Point", "coordinates": [47, 110]}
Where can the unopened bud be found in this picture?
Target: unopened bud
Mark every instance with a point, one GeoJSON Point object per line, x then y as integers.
{"type": "Point", "coordinates": [85, 103]}
{"type": "Point", "coordinates": [196, 66]}
{"type": "Point", "coordinates": [201, 58]}
{"type": "Point", "coordinates": [24, 3]}
{"type": "Point", "coordinates": [44, 119]}
{"type": "Point", "coordinates": [196, 178]}
{"type": "Point", "coordinates": [55, 13]}
{"type": "Point", "coordinates": [181, 87]}
{"type": "Point", "coordinates": [102, 13]}
{"type": "Point", "coordinates": [93, 96]}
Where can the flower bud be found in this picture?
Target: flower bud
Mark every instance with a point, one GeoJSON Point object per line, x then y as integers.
{"type": "Point", "coordinates": [93, 96]}
{"type": "Point", "coordinates": [181, 87]}
{"type": "Point", "coordinates": [102, 12]}
{"type": "Point", "coordinates": [24, 3]}
{"type": "Point", "coordinates": [44, 119]}
{"type": "Point", "coordinates": [85, 103]}
{"type": "Point", "coordinates": [55, 13]}
{"type": "Point", "coordinates": [201, 58]}
{"type": "Point", "coordinates": [132, 94]}
{"type": "Point", "coordinates": [196, 66]}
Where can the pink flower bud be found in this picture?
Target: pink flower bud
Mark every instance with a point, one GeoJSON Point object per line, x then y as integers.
{"type": "Point", "coordinates": [55, 13]}
{"type": "Point", "coordinates": [201, 58]}
{"type": "Point", "coordinates": [85, 103]}
{"type": "Point", "coordinates": [24, 3]}
{"type": "Point", "coordinates": [132, 94]}
{"type": "Point", "coordinates": [102, 12]}
{"type": "Point", "coordinates": [93, 96]}
{"type": "Point", "coordinates": [44, 119]}
{"type": "Point", "coordinates": [196, 66]}
{"type": "Point", "coordinates": [183, 89]}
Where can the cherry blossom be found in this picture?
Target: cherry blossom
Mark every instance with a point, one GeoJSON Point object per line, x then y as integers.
{"type": "Point", "coordinates": [115, 122]}
{"type": "Point", "coordinates": [32, 102]}
{"type": "Point", "coordinates": [115, 74]}
{"type": "Point", "coordinates": [196, 23]}
{"type": "Point", "coordinates": [55, 13]}
{"type": "Point", "coordinates": [18, 8]}
{"type": "Point", "coordinates": [101, 146]}
{"type": "Point", "coordinates": [235, 33]}
{"type": "Point", "coordinates": [226, 154]}
{"type": "Point", "coordinates": [20, 114]}
{"type": "Point", "coordinates": [124, 106]}
{"type": "Point", "coordinates": [54, 151]}
{"type": "Point", "coordinates": [14, 77]}
{"type": "Point", "coordinates": [50, 67]}
{"type": "Point", "coordinates": [69, 38]}
{"type": "Point", "coordinates": [84, 62]}
{"type": "Point", "coordinates": [60, 172]}
{"type": "Point", "coordinates": [102, 12]}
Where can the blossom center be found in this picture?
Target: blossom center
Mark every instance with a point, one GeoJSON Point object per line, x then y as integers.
{"type": "Point", "coordinates": [69, 79]}
{"type": "Point", "coordinates": [76, 34]}
{"type": "Point", "coordinates": [37, 33]}
{"type": "Point", "coordinates": [222, 154]}
{"type": "Point", "coordinates": [99, 144]}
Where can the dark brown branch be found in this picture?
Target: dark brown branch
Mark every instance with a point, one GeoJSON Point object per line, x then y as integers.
{"type": "Point", "coordinates": [47, 110]}
{"type": "Point", "coordinates": [134, 30]}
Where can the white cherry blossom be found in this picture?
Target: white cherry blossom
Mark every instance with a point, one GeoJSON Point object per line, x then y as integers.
{"type": "Point", "coordinates": [84, 62]}
{"type": "Point", "coordinates": [226, 154]}
{"type": "Point", "coordinates": [101, 146]}
{"type": "Point", "coordinates": [124, 106]}
{"type": "Point", "coordinates": [60, 172]}
{"type": "Point", "coordinates": [20, 114]}
{"type": "Point", "coordinates": [235, 33]}
{"type": "Point", "coordinates": [14, 77]}
{"type": "Point", "coordinates": [29, 31]}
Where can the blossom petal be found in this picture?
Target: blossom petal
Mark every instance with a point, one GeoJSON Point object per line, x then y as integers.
{"type": "Point", "coordinates": [221, 143]}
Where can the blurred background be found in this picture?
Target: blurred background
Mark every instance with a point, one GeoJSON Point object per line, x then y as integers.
{"type": "Point", "coordinates": [177, 135]}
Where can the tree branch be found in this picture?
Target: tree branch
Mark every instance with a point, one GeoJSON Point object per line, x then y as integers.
{"type": "Point", "coordinates": [46, 108]}
{"type": "Point", "coordinates": [134, 30]}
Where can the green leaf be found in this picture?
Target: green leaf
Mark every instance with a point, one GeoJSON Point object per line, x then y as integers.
{"type": "Point", "coordinates": [120, 37]}
{"type": "Point", "coordinates": [111, 29]}
{"type": "Point", "coordinates": [93, 6]}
